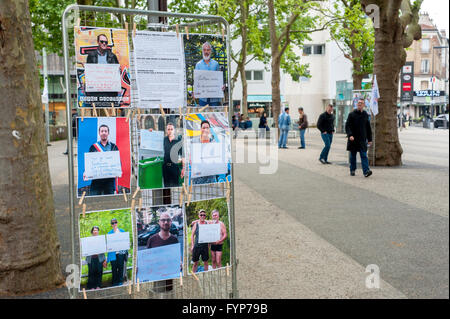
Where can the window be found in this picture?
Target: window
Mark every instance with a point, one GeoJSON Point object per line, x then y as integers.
{"type": "Point", "coordinates": [424, 85]}
{"type": "Point", "coordinates": [425, 45]}
{"type": "Point", "coordinates": [316, 49]}
{"type": "Point", "coordinates": [307, 50]}
{"type": "Point", "coordinates": [425, 66]}
{"type": "Point", "coordinates": [319, 49]}
{"type": "Point", "coordinates": [258, 75]}
{"type": "Point", "coordinates": [254, 75]}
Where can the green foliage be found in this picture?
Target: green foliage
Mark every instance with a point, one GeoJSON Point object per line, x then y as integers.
{"type": "Point", "coordinates": [209, 205]}
{"type": "Point", "coordinates": [46, 19]}
{"type": "Point", "coordinates": [294, 21]}
{"type": "Point", "coordinates": [354, 33]}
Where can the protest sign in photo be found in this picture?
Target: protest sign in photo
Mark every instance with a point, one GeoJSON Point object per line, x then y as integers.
{"type": "Point", "coordinates": [206, 70]}
{"type": "Point", "coordinates": [102, 67]}
{"type": "Point", "coordinates": [208, 148]}
{"type": "Point", "coordinates": [160, 151]}
{"type": "Point", "coordinates": [208, 234]}
{"type": "Point", "coordinates": [104, 156]}
{"type": "Point", "coordinates": [106, 244]}
{"type": "Point", "coordinates": [160, 243]}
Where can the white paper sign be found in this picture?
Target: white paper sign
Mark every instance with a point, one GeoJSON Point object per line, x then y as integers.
{"type": "Point", "coordinates": [208, 159]}
{"type": "Point", "coordinates": [102, 165]}
{"type": "Point", "coordinates": [152, 140]}
{"type": "Point", "coordinates": [102, 77]}
{"type": "Point", "coordinates": [118, 241]}
{"type": "Point", "coordinates": [93, 245]}
{"type": "Point", "coordinates": [160, 69]}
{"type": "Point", "coordinates": [208, 84]}
{"type": "Point", "coordinates": [208, 233]}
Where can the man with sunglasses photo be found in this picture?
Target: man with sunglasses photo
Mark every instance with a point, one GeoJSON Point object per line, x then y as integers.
{"type": "Point", "coordinates": [199, 249]}
{"type": "Point", "coordinates": [103, 55]}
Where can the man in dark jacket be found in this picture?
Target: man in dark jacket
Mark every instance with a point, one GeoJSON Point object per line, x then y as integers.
{"type": "Point", "coordinates": [302, 126]}
{"type": "Point", "coordinates": [103, 54]}
{"type": "Point", "coordinates": [359, 136]}
{"type": "Point", "coordinates": [325, 124]}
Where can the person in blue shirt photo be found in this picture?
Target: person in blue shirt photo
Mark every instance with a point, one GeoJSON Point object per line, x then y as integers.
{"type": "Point", "coordinates": [208, 64]}
{"type": "Point", "coordinates": [118, 259]}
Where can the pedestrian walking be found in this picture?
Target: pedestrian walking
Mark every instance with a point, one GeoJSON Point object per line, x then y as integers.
{"type": "Point", "coordinates": [284, 122]}
{"type": "Point", "coordinates": [262, 125]}
{"type": "Point", "coordinates": [359, 136]}
{"type": "Point", "coordinates": [325, 124]}
{"type": "Point", "coordinates": [302, 126]}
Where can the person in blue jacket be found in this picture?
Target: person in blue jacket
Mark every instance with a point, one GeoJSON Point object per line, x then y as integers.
{"type": "Point", "coordinates": [118, 259]}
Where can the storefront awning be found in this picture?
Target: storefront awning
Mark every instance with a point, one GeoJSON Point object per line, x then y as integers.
{"type": "Point", "coordinates": [261, 98]}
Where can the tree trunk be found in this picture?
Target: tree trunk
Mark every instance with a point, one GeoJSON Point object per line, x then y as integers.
{"type": "Point", "coordinates": [357, 81]}
{"type": "Point", "coordinates": [389, 56]}
{"type": "Point", "coordinates": [275, 64]}
{"type": "Point", "coordinates": [243, 57]}
{"type": "Point", "coordinates": [29, 247]}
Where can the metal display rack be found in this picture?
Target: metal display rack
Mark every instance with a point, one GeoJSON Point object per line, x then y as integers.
{"type": "Point", "coordinates": [221, 283]}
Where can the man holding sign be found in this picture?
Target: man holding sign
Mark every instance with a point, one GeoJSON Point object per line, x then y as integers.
{"type": "Point", "coordinates": [216, 247]}
{"type": "Point", "coordinates": [103, 55]}
{"type": "Point", "coordinates": [208, 64]}
{"type": "Point", "coordinates": [102, 186]}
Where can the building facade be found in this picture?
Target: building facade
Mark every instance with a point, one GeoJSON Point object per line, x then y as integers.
{"type": "Point", "coordinates": [431, 68]}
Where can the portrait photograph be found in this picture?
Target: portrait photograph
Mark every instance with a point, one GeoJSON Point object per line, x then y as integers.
{"type": "Point", "coordinates": [207, 234]}
{"type": "Point", "coordinates": [104, 156]}
{"type": "Point", "coordinates": [206, 70]}
{"type": "Point", "coordinates": [208, 148]}
{"type": "Point", "coordinates": [102, 67]}
{"type": "Point", "coordinates": [160, 242]}
{"type": "Point", "coordinates": [106, 249]}
{"type": "Point", "coordinates": [160, 151]}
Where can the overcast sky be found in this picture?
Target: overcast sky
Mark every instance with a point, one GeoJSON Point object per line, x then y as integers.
{"type": "Point", "coordinates": [438, 11]}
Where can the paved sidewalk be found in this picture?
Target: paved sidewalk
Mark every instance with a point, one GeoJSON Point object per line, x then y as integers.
{"type": "Point", "coordinates": [311, 229]}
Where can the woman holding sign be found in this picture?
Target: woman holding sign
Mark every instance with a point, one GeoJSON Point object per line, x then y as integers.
{"type": "Point", "coordinates": [95, 263]}
{"type": "Point", "coordinates": [205, 137]}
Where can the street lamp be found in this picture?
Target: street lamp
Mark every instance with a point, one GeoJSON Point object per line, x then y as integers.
{"type": "Point", "coordinates": [432, 79]}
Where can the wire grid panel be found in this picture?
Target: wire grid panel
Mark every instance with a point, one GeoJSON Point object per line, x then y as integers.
{"type": "Point", "coordinates": [219, 283]}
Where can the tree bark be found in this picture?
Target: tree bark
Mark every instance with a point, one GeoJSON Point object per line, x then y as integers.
{"type": "Point", "coordinates": [275, 64]}
{"type": "Point", "coordinates": [394, 33]}
{"type": "Point", "coordinates": [387, 63]}
{"type": "Point", "coordinates": [29, 246]}
{"type": "Point", "coordinates": [243, 56]}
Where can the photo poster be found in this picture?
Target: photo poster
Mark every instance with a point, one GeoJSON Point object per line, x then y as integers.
{"type": "Point", "coordinates": [116, 133]}
{"type": "Point", "coordinates": [218, 255]}
{"type": "Point", "coordinates": [156, 169]}
{"type": "Point", "coordinates": [94, 230]}
{"type": "Point", "coordinates": [195, 60]}
{"type": "Point", "coordinates": [158, 258]}
{"type": "Point", "coordinates": [213, 165]}
{"type": "Point", "coordinates": [102, 79]}
{"type": "Point", "coordinates": [159, 65]}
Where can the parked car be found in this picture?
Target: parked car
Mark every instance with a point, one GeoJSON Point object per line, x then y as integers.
{"type": "Point", "coordinates": [441, 121]}
{"type": "Point", "coordinates": [151, 230]}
